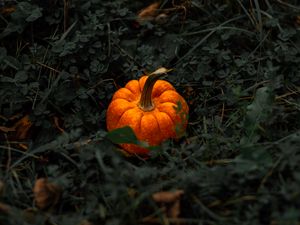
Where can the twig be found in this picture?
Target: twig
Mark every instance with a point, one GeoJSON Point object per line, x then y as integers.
{"type": "Point", "coordinates": [223, 107]}
{"type": "Point", "coordinates": [108, 40]}
{"type": "Point", "coordinates": [217, 203]}
{"type": "Point", "coordinates": [102, 81]}
{"type": "Point", "coordinates": [269, 174]}
{"type": "Point", "coordinates": [286, 95]}
{"type": "Point", "coordinates": [48, 67]}
{"type": "Point", "coordinates": [241, 199]}
{"type": "Point", "coordinates": [289, 5]}
{"type": "Point", "coordinates": [127, 54]}
{"type": "Point", "coordinates": [66, 14]}
{"type": "Point", "coordinates": [247, 13]}
{"type": "Point", "coordinates": [259, 18]}
{"type": "Point", "coordinates": [151, 220]}
{"type": "Point", "coordinates": [218, 162]}
{"type": "Point", "coordinates": [8, 153]}
{"type": "Point", "coordinates": [207, 210]}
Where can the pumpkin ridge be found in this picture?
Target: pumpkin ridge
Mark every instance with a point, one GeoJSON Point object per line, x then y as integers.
{"type": "Point", "coordinates": [130, 91]}
{"type": "Point", "coordinates": [123, 114]}
{"type": "Point", "coordinates": [140, 82]}
{"type": "Point", "coordinates": [138, 128]}
{"type": "Point", "coordinates": [174, 105]}
{"type": "Point", "coordinates": [162, 91]}
{"type": "Point", "coordinates": [168, 116]}
{"type": "Point", "coordinates": [131, 86]}
{"type": "Point", "coordinates": [125, 99]}
{"type": "Point", "coordinates": [148, 138]}
{"type": "Point", "coordinates": [157, 123]}
{"type": "Point", "coordinates": [158, 95]}
{"type": "Point", "coordinates": [167, 100]}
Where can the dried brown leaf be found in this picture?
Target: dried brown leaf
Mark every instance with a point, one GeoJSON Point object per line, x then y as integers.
{"type": "Point", "coordinates": [174, 211]}
{"type": "Point", "coordinates": [167, 197]}
{"type": "Point", "coordinates": [4, 208]}
{"type": "Point", "coordinates": [2, 188]}
{"type": "Point", "coordinates": [56, 121]}
{"type": "Point", "coordinates": [149, 12]}
{"type": "Point", "coordinates": [7, 129]}
{"type": "Point", "coordinates": [86, 222]}
{"type": "Point", "coordinates": [169, 202]}
{"type": "Point", "coordinates": [7, 10]}
{"type": "Point", "coordinates": [22, 127]}
{"type": "Point", "coordinates": [161, 18]}
{"type": "Point", "coordinates": [297, 21]}
{"type": "Point", "coordinates": [46, 194]}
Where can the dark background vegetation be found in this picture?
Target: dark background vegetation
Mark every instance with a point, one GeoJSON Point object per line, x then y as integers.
{"type": "Point", "coordinates": [237, 63]}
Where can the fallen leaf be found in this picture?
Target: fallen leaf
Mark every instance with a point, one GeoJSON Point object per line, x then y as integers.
{"type": "Point", "coordinates": [7, 129]}
{"type": "Point", "coordinates": [4, 208]}
{"type": "Point", "coordinates": [22, 127]}
{"type": "Point", "coordinates": [297, 21]}
{"type": "Point", "coordinates": [161, 18]}
{"type": "Point", "coordinates": [169, 202]}
{"type": "Point", "coordinates": [19, 131]}
{"type": "Point", "coordinates": [7, 10]}
{"type": "Point", "coordinates": [167, 197]}
{"type": "Point", "coordinates": [56, 124]}
{"type": "Point", "coordinates": [149, 12]}
{"type": "Point", "coordinates": [46, 194]}
{"type": "Point", "coordinates": [86, 222]}
{"type": "Point", "coordinates": [2, 188]}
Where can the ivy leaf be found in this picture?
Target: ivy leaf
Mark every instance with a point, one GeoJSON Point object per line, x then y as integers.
{"type": "Point", "coordinates": [12, 62]}
{"type": "Point", "coordinates": [253, 159]}
{"type": "Point", "coordinates": [257, 112]}
{"type": "Point", "coordinates": [260, 108]}
{"type": "Point", "coordinates": [35, 14]}
{"type": "Point", "coordinates": [3, 53]}
{"type": "Point", "coordinates": [21, 76]}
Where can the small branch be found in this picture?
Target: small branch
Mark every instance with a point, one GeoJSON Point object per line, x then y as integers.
{"type": "Point", "coordinates": [8, 163]}
{"type": "Point", "coordinates": [288, 5]}
{"type": "Point", "coordinates": [151, 220]}
{"type": "Point", "coordinates": [223, 107]}
{"type": "Point", "coordinates": [48, 67]}
{"type": "Point", "coordinates": [269, 174]}
{"type": "Point", "coordinates": [66, 14]}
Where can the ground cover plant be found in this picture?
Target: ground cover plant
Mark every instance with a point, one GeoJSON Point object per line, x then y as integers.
{"type": "Point", "coordinates": [236, 63]}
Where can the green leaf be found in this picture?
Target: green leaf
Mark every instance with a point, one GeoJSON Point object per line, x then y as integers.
{"type": "Point", "coordinates": [3, 53]}
{"type": "Point", "coordinates": [257, 113]}
{"type": "Point", "coordinates": [12, 62]}
{"type": "Point", "coordinates": [21, 76]}
{"type": "Point", "coordinates": [126, 135]}
{"type": "Point", "coordinates": [123, 135]}
{"type": "Point", "coordinates": [35, 14]}
{"type": "Point", "coordinates": [261, 107]}
{"type": "Point", "coordinates": [253, 159]}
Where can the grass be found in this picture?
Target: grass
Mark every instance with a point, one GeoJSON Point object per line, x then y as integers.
{"type": "Point", "coordinates": [235, 62]}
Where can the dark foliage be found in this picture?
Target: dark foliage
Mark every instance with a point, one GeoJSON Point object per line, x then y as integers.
{"type": "Point", "coordinates": [237, 63]}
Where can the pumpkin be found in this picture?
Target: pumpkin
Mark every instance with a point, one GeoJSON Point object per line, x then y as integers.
{"type": "Point", "coordinates": [151, 107]}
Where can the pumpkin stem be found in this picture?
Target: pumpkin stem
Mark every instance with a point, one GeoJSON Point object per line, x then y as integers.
{"type": "Point", "coordinates": [146, 103]}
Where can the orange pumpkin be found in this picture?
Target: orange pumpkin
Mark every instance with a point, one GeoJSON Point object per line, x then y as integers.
{"type": "Point", "coordinates": [151, 107]}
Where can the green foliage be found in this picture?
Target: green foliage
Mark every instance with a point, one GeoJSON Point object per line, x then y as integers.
{"type": "Point", "coordinates": [124, 135]}
{"type": "Point", "coordinates": [257, 112]}
{"type": "Point", "coordinates": [237, 63]}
